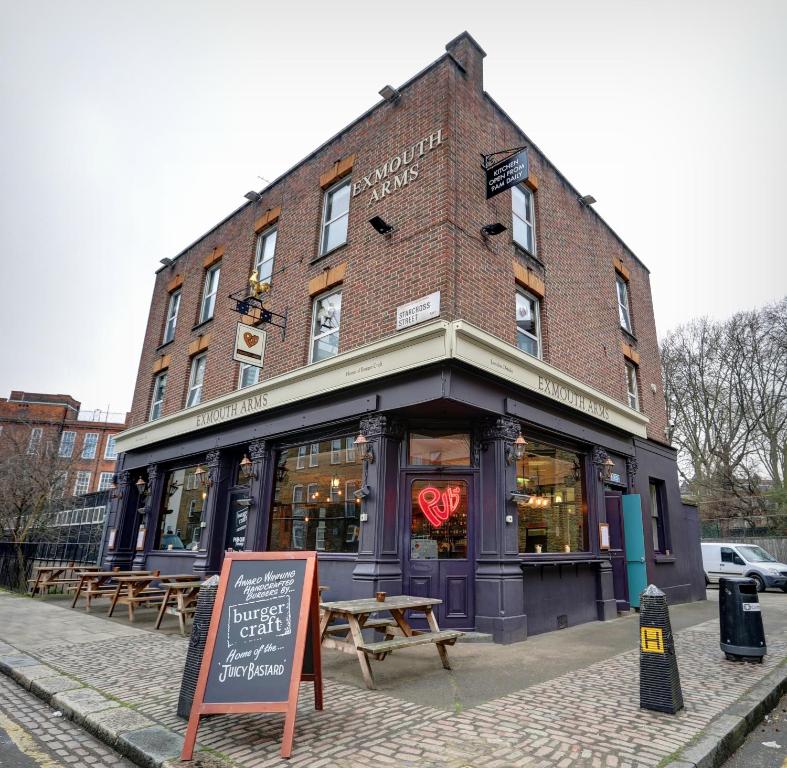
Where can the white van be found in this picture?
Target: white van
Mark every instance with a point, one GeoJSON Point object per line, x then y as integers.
{"type": "Point", "coordinates": [743, 560]}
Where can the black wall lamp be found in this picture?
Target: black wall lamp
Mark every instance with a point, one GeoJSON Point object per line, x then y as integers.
{"type": "Point", "coordinates": [490, 230]}
{"type": "Point", "coordinates": [141, 486]}
{"type": "Point", "coordinates": [605, 470]}
{"type": "Point", "coordinates": [253, 196]}
{"type": "Point", "coordinates": [516, 451]}
{"type": "Point", "coordinates": [381, 225]}
{"type": "Point", "coordinates": [587, 200]}
{"type": "Point", "coordinates": [389, 93]}
{"type": "Point", "coordinates": [247, 467]}
{"type": "Point", "coordinates": [203, 477]}
{"type": "Point", "coordinates": [364, 448]}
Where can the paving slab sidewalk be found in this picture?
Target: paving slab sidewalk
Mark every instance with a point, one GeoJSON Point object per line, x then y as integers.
{"type": "Point", "coordinates": [121, 683]}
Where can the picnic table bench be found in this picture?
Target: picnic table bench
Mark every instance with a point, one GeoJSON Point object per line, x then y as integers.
{"type": "Point", "coordinates": [184, 594]}
{"type": "Point", "coordinates": [96, 583]}
{"type": "Point", "coordinates": [355, 618]}
{"type": "Point", "coordinates": [135, 591]}
{"type": "Point", "coordinates": [48, 576]}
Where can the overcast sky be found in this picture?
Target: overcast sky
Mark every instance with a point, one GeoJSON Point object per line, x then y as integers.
{"type": "Point", "coordinates": [128, 129]}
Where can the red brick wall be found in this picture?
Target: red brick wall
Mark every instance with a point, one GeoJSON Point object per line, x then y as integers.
{"type": "Point", "coordinates": [436, 245]}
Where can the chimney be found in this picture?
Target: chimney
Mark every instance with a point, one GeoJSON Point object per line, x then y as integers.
{"type": "Point", "coordinates": [470, 56]}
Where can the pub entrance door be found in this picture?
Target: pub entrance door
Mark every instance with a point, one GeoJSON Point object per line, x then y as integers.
{"type": "Point", "coordinates": [617, 548]}
{"type": "Point", "coordinates": [438, 543]}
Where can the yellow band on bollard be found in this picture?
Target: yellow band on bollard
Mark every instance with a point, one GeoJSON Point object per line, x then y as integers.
{"type": "Point", "coordinates": [651, 640]}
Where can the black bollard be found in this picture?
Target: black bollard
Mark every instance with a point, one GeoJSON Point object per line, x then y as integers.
{"type": "Point", "coordinates": [199, 636]}
{"type": "Point", "coordinates": [659, 680]}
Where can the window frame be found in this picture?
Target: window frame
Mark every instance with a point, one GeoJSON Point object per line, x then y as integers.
{"type": "Point", "coordinates": [199, 364]}
{"type": "Point", "coordinates": [81, 474]}
{"type": "Point", "coordinates": [113, 454]}
{"type": "Point", "coordinates": [658, 516]}
{"type": "Point", "coordinates": [160, 403]}
{"type": "Point", "coordinates": [527, 192]}
{"type": "Point", "coordinates": [537, 338]}
{"type": "Point", "coordinates": [624, 307]}
{"type": "Point", "coordinates": [33, 444]}
{"type": "Point", "coordinates": [209, 299]}
{"type": "Point", "coordinates": [632, 374]}
{"type": "Point", "coordinates": [259, 252]}
{"type": "Point", "coordinates": [85, 436]}
{"type": "Point", "coordinates": [171, 320]}
{"type": "Point", "coordinates": [102, 476]}
{"type": "Point", "coordinates": [242, 369]}
{"type": "Point", "coordinates": [325, 223]}
{"type": "Point", "coordinates": [314, 338]}
{"type": "Point", "coordinates": [71, 444]}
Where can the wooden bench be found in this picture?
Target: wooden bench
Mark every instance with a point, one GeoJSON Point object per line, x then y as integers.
{"type": "Point", "coordinates": [335, 629]}
{"type": "Point", "coordinates": [384, 647]}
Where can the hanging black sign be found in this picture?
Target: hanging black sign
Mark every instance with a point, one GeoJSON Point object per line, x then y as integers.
{"type": "Point", "coordinates": [506, 174]}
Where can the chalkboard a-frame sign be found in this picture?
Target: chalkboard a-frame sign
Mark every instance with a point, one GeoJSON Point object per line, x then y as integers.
{"type": "Point", "coordinates": [256, 654]}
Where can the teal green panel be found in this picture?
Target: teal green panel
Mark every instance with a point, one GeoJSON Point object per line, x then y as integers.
{"type": "Point", "coordinates": [635, 546]}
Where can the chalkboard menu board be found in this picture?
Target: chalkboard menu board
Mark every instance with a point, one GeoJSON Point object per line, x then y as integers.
{"type": "Point", "coordinates": [266, 611]}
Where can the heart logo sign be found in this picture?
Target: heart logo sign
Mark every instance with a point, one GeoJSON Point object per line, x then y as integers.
{"type": "Point", "coordinates": [439, 506]}
{"type": "Point", "coordinates": [250, 339]}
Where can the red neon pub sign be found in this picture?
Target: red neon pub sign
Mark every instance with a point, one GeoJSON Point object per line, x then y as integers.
{"type": "Point", "coordinates": [438, 505]}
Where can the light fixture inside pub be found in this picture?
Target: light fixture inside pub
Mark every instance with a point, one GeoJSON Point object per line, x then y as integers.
{"type": "Point", "coordinates": [381, 225]}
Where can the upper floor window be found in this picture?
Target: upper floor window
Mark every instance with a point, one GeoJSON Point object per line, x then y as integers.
{"type": "Point", "coordinates": [623, 303]}
{"type": "Point", "coordinates": [89, 445]}
{"type": "Point", "coordinates": [528, 330]}
{"type": "Point", "coordinates": [335, 213]}
{"type": "Point", "coordinates": [172, 316]}
{"type": "Point", "coordinates": [35, 440]}
{"type": "Point", "coordinates": [104, 481]}
{"type": "Point", "coordinates": [249, 374]}
{"type": "Point", "coordinates": [631, 386]}
{"type": "Point", "coordinates": [82, 484]}
{"type": "Point", "coordinates": [326, 319]}
{"type": "Point", "coordinates": [67, 440]}
{"type": "Point", "coordinates": [209, 293]}
{"type": "Point", "coordinates": [157, 403]}
{"type": "Point", "coordinates": [196, 380]}
{"type": "Point", "coordinates": [523, 218]}
{"type": "Point", "coordinates": [263, 260]}
{"type": "Point", "coordinates": [110, 452]}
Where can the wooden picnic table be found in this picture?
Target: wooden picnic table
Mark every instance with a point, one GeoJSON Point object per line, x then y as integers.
{"type": "Point", "coordinates": [94, 583]}
{"type": "Point", "coordinates": [136, 590]}
{"type": "Point", "coordinates": [50, 576]}
{"type": "Point", "coordinates": [355, 617]}
{"type": "Point", "coordinates": [184, 594]}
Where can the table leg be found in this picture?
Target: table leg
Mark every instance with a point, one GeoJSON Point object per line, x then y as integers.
{"type": "Point", "coordinates": [404, 625]}
{"type": "Point", "coordinates": [363, 659]}
{"type": "Point", "coordinates": [79, 589]}
{"type": "Point", "coordinates": [181, 615]}
{"type": "Point", "coordinates": [162, 609]}
{"type": "Point", "coordinates": [432, 621]}
{"type": "Point", "coordinates": [114, 599]}
{"type": "Point", "coordinates": [38, 581]}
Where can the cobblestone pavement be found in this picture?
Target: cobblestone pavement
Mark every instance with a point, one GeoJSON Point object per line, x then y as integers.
{"type": "Point", "coordinates": [588, 718]}
{"type": "Point", "coordinates": [36, 736]}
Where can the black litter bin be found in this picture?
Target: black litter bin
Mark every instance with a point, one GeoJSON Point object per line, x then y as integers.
{"type": "Point", "coordinates": [740, 620]}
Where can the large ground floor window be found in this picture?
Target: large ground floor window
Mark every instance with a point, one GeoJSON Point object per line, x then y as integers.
{"type": "Point", "coordinates": [181, 511]}
{"type": "Point", "coordinates": [553, 517]}
{"type": "Point", "coordinates": [314, 501]}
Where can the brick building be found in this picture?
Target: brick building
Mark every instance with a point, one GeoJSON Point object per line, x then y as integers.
{"type": "Point", "coordinates": [497, 357]}
{"type": "Point", "coordinates": [82, 442]}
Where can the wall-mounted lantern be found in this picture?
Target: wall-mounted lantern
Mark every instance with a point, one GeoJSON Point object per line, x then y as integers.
{"type": "Point", "coordinates": [202, 476]}
{"type": "Point", "coordinates": [516, 451]}
{"type": "Point", "coordinates": [605, 471]}
{"type": "Point", "coordinates": [247, 467]}
{"type": "Point", "coordinates": [364, 448]}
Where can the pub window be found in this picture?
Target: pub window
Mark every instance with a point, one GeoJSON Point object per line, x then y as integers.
{"type": "Point", "coordinates": [316, 513]}
{"type": "Point", "coordinates": [658, 516]}
{"type": "Point", "coordinates": [335, 213]}
{"type": "Point", "coordinates": [89, 444]}
{"type": "Point", "coordinates": [67, 440]}
{"type": "Point", "coordinates": [326, 319]}
{"type": "Point", "coordinates": [209, 293]}
{"type": "Point", "coordinates": [263, 259]}
{"type": "Point", "coordinates": [181, 511]}
{"type": "Point", "coordinates": [528, 326]}
{"type": "Point", "coordinates": [553, 508]}
{"type": "Point", "coordinates": [622, 288]}
{"type": "Point", "coordinates": [196, 380]}
{"type": "Point", "coordinates": [172, 316]}
{"type": "Point", "coordinates": [523, 218]}
{"type": "Point", "coordinates": [436, 447]}
{"type": "Point", "coordinates": [157, 402]}
{"type": "Point", "coordinates": [248, 375]}
{"type": "Point", "coordinates": [632, 390]}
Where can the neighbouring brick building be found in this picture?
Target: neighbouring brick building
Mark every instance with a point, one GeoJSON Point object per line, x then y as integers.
{"type": "Point", "coordinates": [466, 402]}
{"type": "Point", "coordinates": [83, 443]}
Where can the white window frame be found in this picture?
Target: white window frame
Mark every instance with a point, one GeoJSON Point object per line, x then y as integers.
{"type": "Point", "coordinates": [624, 301]}
{"type": "Point", "coordinates": [315, 337]}
{"type": "Point", "coordinates": [336, 451]}
{"type": "Point", "coordinates": [326, 223]}
{"type": "Point", "coordinates": [632, 378]}
{"type": "Point", "coordinates": [92, 453]}
{"type": "Point", "coordinates": [110, 451]}
{"type": "Point", "coordinates": [172, 316]}
{"type": "Point", "coordinates": [260, 257]}
{"type": "Point", "coordinates": [36, 433]}
{"type": "Point", "coordinates": [157, 406]}
{"type": "Point", "coordinates": [314, 455]}
{"type": "Point", "coordinates": [104, 481]}
{"type": "Point", "coordinates": [66, 448]}
{"type": "Point", "coordinates": [208, 304]}
{"type": "Point", "coordinates": [243, 368]}
{"type": "Point", "coordinates": [529, 225]}
{"type": "Point", "coordinates": [196, 380]}
{"type": "Point", "coordinates": [537, 337]}
{"type": "Point", "coordinates": [349, 449]}
{"type": "Point", "coordinates": [300, 462]}
{"type": "Point", "coordinates": [82, 475]}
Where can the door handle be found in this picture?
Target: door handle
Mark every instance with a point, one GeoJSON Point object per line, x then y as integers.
{"type": "Point", "coordinates": [642, 559]}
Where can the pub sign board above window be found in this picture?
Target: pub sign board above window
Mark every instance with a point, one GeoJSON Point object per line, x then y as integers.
{"type": "Point", "coordinates": [507, 173]}
{"type": "Point", "coordinates": [263, 640]}
{"type": "Point", "coordinates": [249, 345]}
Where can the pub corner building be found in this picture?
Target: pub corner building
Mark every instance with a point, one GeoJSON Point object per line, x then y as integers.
{"type": "Point", "coordinates": [421, 353]}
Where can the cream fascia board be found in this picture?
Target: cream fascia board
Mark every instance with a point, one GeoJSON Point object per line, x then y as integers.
{"type": "Point", "coordinates": [409, 349]}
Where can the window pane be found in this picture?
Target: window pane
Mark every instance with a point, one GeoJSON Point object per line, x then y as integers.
{"type": "Point", "coordinates": [526, 314]}
{"type": "Point", "coordinates": [526, 344]}
{"type": "Point", "coordinates": [249, 374]}
{"type": "Point", "coordinates": [438, 527]}
{"type": "Point", "coordinates": [266, 246]}
{"type": "Point", "coordinates": [89, 445]}
{"type": "Point", "coordinates": [554, 518]}
{"type": "Point", "coordinates": [181, 511]}
{"type": "Point", "coordinates": [325, 326]}
{"type": "Point", "coordinates": [110, 452]}
{"type": "Point", "coordinates": [518, 202]}
{"type": "Point", "coordinates": [439, 448]}
{"type": "Point", "coordinates": [312, 507]}
{"type": "Point", "coordinates": [335, 234]}
{"type": "Point", "coordinates": [338, 202]}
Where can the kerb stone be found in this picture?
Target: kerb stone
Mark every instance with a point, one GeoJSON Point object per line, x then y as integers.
{"type": "Point", "coordinates": [150, 747]}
